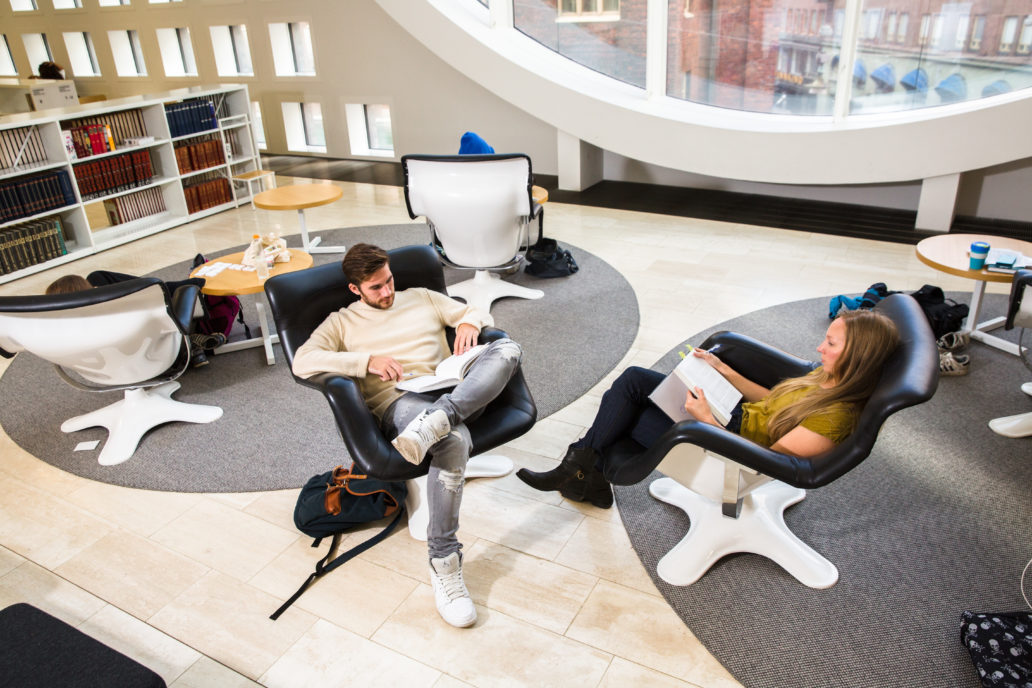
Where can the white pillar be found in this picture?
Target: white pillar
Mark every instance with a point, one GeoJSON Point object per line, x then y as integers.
{"type": "Point", "coordinates": [580, 163]}
{"type": "Point", "coordinates": [938, 203]}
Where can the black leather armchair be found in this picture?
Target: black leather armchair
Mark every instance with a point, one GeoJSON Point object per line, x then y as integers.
{"type": "Point", "coordinates": [300, 301]}
{"type": "Point", "coordinates": [1019, 313]}
{"type": "Point", "coordinates": [128, 336]}
{"type": "Point", "coordinates": [736, 491]}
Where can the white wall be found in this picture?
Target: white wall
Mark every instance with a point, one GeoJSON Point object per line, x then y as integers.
{"type": "Point", "coordinates": [363, 56]}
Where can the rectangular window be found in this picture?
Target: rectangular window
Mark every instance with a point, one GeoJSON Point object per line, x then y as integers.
{"type": "Point", "coordinates": [23, 5]}
{"type": "Point", "coordinates": [38, 49]}
{"type": "Point", "coordinates": [1009, 33]}
{"type": "Point", "coordinates": [589, 9]}
{"type": "Point", "coordinates": [937, 25]}
{"type": "Point", "coordinates": [378, 127]}
{"type": "Point", "coordinates": [126, 51]}
{"type": "Point", "coordinates": [292, 51]}
{"type": "Point", "coordinates": [962, 32]}
{"type": "Point", "coordinates": [67, 4]}
{"type": "Point", "coordinates": [302, 123]}
{"type": "Point", "coordinates": [256, 123]}
{"type": "Point", "coordinates": [840, 21]}
{"type": "Point", "coordinates": [232, 51]}
{"type": "Point", "coordinates": [7, 67]}
{"type": "Point", "coordinates": [890, 27]}
{"type": "Point", "coordinates": [977, 31]}
{"type": "Point", "coordinates": [926, 29]}
{"type": "Point", "coordinates": [1025, 40]}
{"type": "Point", "coordinates": [81, 56]}
{"type": "Point", "coordinates": [901, 30]}
{"type": "Point", "coordinates": [113, 3]}
{"type": "Point", "coordinates": [872, 24]}
{"type": "Point", "coordinates": [176, 52]}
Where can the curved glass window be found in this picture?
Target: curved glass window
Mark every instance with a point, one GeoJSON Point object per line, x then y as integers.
{"type": "Point", "coordinates": [784, 55]}
{"type": "Point", "coordinates": [607, 36]}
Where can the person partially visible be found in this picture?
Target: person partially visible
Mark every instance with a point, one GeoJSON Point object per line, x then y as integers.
{"type": "Point", "coordinates": [386, 336]}
{"type": "Point", "coordinates": [802, 416]}
{"type": "Point", "coordinates": [50, 70]}
{"type": "Point", "coordinates": [198, 342]}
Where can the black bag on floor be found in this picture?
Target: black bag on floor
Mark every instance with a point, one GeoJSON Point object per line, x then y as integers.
{"type": "Point", "coordinates": [332, 503]}
{"type": "Point", "coordinates": [547, 259]}
{"type": "Point", "coordinates": [944, 315]}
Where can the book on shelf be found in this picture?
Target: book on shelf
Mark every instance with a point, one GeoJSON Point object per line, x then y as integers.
{"type": "Point", "coordinates": [693, 372]}
{"type": "Point", "coordinates": [134, 206]}
{"type": "Point", "coordinates": [448, 372]}
{"type": "Point", "coordinates": [206, 194]}
{"type": "Point", "coordinates": [31, 243]}
{"type": "Point", "coordinates": [33, 194]}
{"type": "Point", "coordinates": [21, 146]}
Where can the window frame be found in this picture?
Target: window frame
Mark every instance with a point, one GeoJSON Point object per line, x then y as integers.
{"type": "Point", "coordinates": [91, 54]}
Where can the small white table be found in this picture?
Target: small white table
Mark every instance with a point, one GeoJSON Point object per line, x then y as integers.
{"type": "Point", "coordinates": [298, 197]}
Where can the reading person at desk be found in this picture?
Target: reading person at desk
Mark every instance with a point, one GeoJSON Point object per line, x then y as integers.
{"type": "Point", "coordinates": [802, 416]}
{"type": "Point", "coordinates": [386, 337]}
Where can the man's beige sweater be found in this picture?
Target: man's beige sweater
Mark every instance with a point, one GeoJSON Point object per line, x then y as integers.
{"type": "Point", "coordinates": [411, 331]}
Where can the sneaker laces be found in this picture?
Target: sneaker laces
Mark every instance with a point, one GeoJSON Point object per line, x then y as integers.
{"type": "Point", "coordinates": [452, 584]}
{"type": "Point", "coordinates": [426, 433]}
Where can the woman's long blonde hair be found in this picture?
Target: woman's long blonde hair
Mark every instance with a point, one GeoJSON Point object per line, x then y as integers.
{"type": "Point", "coordinates": [870, 339]}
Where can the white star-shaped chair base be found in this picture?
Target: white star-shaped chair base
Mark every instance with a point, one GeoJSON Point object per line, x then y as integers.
{"type": "Point", "coordinates": [485, 287]}
{"type": "Point", "coordinates": [704, 490]}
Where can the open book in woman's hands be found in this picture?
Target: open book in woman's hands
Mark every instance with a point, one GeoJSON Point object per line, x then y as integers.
{"type": "Point", "coordinates": [692, 371]}
{"type": "Point", "coordinates": [448, 373]}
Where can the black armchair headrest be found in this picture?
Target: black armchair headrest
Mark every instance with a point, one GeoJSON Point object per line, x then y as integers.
{"type": "Point", "coordinates": [87, 297]}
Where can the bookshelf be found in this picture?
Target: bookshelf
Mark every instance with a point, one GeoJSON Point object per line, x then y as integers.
{"type": "Point", "coordinates": [81, 179]}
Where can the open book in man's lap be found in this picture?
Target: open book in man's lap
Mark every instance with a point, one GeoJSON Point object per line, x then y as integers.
{"type": "Point", "coordinates": [692, 371]}
{"type": "Point", "coordinates": [448, 373]}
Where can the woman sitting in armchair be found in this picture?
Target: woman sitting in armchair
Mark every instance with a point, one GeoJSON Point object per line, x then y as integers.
{"type": "Point", "coordinates": [803, 416]}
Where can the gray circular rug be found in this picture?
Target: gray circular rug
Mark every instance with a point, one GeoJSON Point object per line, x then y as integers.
{"type": "Point", "coordinates": [935, 522]}
{"type": "Point", "coordinates": [275, 433]}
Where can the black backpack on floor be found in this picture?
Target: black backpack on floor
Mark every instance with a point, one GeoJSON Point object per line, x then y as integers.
{"type": "Point", "coordinates": [944, 315]}
{"type": "Point", "coordinates": [332, 503]}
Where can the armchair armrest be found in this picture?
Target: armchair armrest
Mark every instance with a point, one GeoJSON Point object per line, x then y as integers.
{"type": "Point", "coordinates": [1022, 279]}
{"type": "Point", "coordinates": [761, 363]}
{"type": "Point", "coordinates": [628, 463]}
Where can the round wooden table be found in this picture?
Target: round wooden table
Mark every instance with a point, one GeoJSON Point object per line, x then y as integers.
{"type": "Point", "coordinates": [949, 253]}
{"type": "Point", "coordinates": [539, 194]}
{"type": "Point", "coordinates": [230, 281]}
{"type": "Point", "coordinates": [298, 197]}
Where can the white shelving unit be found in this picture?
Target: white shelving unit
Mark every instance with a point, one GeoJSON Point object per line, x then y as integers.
{"type": "Point", "coordinates": [33, 144]}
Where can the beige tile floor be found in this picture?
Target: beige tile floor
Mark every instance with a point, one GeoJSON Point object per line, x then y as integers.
{"type": "Point", "coordinates": [184, 582]}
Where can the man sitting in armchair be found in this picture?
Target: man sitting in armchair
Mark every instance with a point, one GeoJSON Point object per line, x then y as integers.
{"type": "Point", "coordinates": [388, 336]}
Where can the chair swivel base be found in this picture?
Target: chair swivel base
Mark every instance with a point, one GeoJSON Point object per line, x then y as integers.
{"type": "Point", "coordinates": [482, 466]}
{"type": "Point", "coordinates": [760, 529]}
{"type": "Point", "coordinates": [128, 419]}
{"type": "Point", "coordinates": [486, 287]}
{"type": "Point", "coordinates": [1013, 426]}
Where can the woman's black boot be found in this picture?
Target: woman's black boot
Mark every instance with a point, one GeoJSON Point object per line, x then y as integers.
{"type": "Point", "coordinates": [589, 486]}
{"type": "Point", "coordinates": [576, 462]}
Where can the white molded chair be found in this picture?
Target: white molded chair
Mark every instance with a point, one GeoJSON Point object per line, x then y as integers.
{"type": "Point", "coordinates": [1019, 313]}
{"type": "Point", "coordinates": [129, 336]}
{"type": "Point", "coordinates": [479, 209]}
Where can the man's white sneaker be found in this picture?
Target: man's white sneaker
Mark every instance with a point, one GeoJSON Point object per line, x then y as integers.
{"type": "Point", "coordinates": [450, 594]}
{"type": "Point", "coordinates": [425, 430]}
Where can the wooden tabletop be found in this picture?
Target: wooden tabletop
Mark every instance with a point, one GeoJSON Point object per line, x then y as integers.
{"type": "Point", "coordinates": [949, 253]}
{"type": "Point", "coordinates": [237, 282]}
{"type": "Point", "coordinates": [298, 196]}
{"type": "Point", "coordinates": [539, 194]}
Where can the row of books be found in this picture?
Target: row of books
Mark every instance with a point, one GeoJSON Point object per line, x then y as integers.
{"type": "Point", "coordinates": [34, 194]}
{"type": "Point", "coordinates": [134, 206]}
{"type": "Point", "coordinates": [15, 147]}
{"type": "Point", "coordinates": [123, 125]}
{"type": "Point", "coordinates": [31, 243]}
{"type": "Point", "coordinates": [87, 140]}
{"type": "Point", "coordinates": [207, 194]}
{"type": "Point", "coordinates": [114, 174]}
{"type": "Point", "coordinates": [190, 117]}
{"type": "Point", "coordinates": [191, 157]}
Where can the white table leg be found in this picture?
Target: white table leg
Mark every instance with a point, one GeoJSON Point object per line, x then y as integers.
{"type": "Point", "coordinates": [312, 245]}
{"type": "Point", "coordinates": [979, 331]}
{"type": "Point", "coordinates": [267, 339]}
{"type": "Point", "coordinates": [263, 322]}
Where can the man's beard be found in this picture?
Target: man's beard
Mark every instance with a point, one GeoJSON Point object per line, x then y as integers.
{"type": "Point", "coordinates": [382, 305]}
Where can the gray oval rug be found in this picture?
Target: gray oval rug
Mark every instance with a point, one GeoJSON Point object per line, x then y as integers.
{"type": "Point", "coordinates": [275, 433]}
{"type": "Point", "coordinates": [933, 523]}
